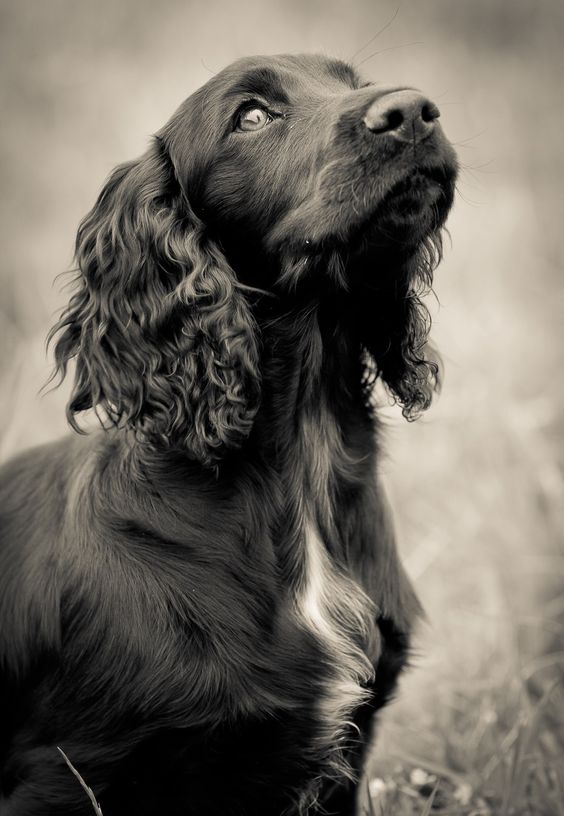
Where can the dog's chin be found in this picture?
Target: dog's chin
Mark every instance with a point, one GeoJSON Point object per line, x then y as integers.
{"type": "Point", "coordinates": [411, 210]}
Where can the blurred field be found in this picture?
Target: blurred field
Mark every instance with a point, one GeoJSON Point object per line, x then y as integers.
{"type": "Point", "coordinates": [478, 483]}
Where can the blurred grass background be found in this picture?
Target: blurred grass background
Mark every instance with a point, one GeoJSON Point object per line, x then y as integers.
{"type": "Point", "coordinates": [478, 483]}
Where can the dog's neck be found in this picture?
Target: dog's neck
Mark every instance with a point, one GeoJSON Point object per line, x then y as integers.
{"type": "Point", "coordinates": [313, 423]}
{"type": "Point", "coordinates": [312, 427]}
{"type": "Point", "coordinates": [311, 365]}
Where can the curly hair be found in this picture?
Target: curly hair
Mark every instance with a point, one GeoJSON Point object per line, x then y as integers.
{"type": "Point", "coordinates": [202, 603]}
{"type": "Point", "coordinates": [160, 328]}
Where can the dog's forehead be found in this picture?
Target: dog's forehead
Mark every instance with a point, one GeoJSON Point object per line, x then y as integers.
{"type": "Point", "coordinates": [283, 75]}
{"type": "Point", "coordinates": [191, 133]}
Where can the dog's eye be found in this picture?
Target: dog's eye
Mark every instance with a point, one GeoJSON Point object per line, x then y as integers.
{"type": "Point", "coordinates": [253, 119]}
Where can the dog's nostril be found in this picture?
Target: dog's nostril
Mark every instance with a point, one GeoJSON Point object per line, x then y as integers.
{"type": "Point", "coordinates": [383, 119]}
{"type": "Point", "coordinates": [395, 119]}
{"type": "Point", "coordinates": [430, 112]}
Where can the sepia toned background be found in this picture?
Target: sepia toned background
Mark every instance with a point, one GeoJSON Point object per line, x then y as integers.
{"type": "Point", "coordinates": [477, 484]}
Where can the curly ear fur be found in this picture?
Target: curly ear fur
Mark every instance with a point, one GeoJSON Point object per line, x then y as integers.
{"type": "Point", "coordinates": [397, 328]}
{"type": "Point", "coordinates": [160, 329]}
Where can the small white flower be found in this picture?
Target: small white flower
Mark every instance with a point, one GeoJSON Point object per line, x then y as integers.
{"type": "Point", "coordinates": [376, 787]}
{"type": "Point", "coordinates": [419, 777]}
{"type": "Point", "coordinates": [463, 794]}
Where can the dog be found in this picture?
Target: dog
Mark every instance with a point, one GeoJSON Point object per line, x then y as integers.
{"type": "Point", "coordinates": [201, 603]}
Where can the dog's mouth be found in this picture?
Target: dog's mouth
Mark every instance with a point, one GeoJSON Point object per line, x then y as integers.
{"type": "Point", "coordinates": [415, 203]}
{"type": "Point", "coordinates": [415, 192]}
{"type": "Point", "coordinates": [408, 198]}
{"type": "Point", "coordinates": [413, 206]}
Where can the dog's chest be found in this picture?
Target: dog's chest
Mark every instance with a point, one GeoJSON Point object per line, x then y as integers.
{"type": "Point", "coordinates": [330, 603]}
{"type": "Point", "coordinates": [335, 609]}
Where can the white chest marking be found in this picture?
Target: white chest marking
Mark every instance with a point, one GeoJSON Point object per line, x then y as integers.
{"type": "Point", "coordinates": [338, 612]}
{"type": "Point", "coordinates": [316, 580]}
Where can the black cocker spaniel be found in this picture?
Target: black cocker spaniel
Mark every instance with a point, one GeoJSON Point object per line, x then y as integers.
{"type": "Point", "coordinates": [202, 604]}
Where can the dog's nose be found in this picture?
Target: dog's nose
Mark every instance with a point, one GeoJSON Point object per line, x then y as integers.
{"type": "Point", "coordinates": [407, 116]}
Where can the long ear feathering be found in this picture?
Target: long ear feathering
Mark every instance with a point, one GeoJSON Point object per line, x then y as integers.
{"type": "Point", "coordinates": [397, 341]}
{"type": "Point", "coordinates": [161, 331]}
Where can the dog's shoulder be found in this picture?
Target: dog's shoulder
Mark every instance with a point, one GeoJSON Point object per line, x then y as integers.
{"type": "Point", "coordinates": [36, 486]}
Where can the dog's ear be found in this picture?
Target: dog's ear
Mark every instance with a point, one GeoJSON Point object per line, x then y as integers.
{"type": "Point", "coordinates": [160, 330]}
{"type": "Point", "coordinates": [395, 323]}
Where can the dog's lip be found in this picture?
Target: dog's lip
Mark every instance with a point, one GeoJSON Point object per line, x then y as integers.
{"type": "Point", "coordinates": [415, 191]}
{"type": "Point", "coordinates": [416, 180]}
{"type": "Point", "coordinates": [418, 187]}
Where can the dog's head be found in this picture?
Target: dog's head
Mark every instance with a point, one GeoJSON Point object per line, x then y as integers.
{"type": "Point", "coordinates": [301, 155]}
{"type": "Point", "coordinates": [278, 172]}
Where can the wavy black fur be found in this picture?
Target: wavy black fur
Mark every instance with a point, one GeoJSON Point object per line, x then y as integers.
{"type": "Point", "coordinates": [202, 603]}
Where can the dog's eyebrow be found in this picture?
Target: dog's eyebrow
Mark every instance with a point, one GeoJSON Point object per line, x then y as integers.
{"type": "Point", "coordinates": [344, 72]}
{"type": "Point", "coordinates": [262, 81]}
